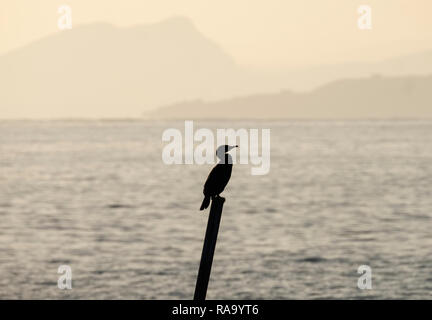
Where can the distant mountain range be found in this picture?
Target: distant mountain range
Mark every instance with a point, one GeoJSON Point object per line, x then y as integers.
{"type": "Point", "coordinates": [100, 70]}
{"type": "Point", "coordinates": [371, 98]}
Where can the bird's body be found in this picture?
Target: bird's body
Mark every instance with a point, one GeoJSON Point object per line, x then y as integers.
{"type": "Point", "coordinates": [218, 177]}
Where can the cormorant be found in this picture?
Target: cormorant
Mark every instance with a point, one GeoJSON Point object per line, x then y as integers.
{"type": "Point", "coordinates": [219, 176]}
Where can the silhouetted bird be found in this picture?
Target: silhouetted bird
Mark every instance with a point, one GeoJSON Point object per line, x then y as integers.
{"type": "Point", "coordinates": [219, 176]}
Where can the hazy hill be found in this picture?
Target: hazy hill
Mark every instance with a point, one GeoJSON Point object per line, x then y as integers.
{"type": "Point", "coordinates": [100, 70]}
{"type": "Point", "coordinates": [306, 79]}
{"type": "Point", "coordinates": [370, 98]}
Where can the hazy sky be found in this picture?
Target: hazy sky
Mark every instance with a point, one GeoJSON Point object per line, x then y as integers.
{"type": "Point", "coordinates": [271, 33]}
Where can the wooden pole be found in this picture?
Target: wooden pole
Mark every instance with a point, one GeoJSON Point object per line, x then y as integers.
{"type": "Point", "coordinates": [208, 248]}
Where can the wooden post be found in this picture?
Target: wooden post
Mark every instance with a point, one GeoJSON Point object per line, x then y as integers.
{"type": "Point", "coordinates": [208, 248]}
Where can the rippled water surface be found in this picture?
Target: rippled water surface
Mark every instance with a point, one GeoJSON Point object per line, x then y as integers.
{"type": "Point", "coordinates": [95, 195]}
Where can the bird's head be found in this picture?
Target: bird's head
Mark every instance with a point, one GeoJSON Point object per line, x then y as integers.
{"type": "Point", "coordinates": [222, 150]}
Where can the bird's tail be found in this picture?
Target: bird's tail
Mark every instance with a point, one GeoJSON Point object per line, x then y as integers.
{"type": "Point", "coordinates": [205, 203]}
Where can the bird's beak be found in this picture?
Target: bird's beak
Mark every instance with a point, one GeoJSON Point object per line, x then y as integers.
{"type": "Point", "coordinates": [232, 147]}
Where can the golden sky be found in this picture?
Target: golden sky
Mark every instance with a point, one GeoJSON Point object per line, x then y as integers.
{"type": "Point", "coordinates": [271, 33]}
